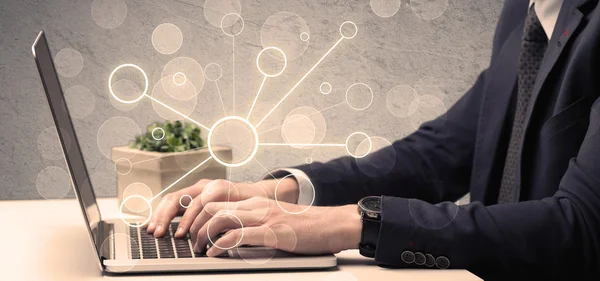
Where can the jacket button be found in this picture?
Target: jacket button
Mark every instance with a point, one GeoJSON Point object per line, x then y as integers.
{"type": "Point", "coordinates": [442, 262]}
{"type": "Point", "coordinates": [408, 257]}
{"type": "Point", "coordinates": [429, 260]}
{"type": "Point", "coordinates": [419, 258]}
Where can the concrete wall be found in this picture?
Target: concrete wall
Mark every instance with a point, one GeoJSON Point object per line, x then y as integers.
{"type": "Point", "coordinates": [438, 57]}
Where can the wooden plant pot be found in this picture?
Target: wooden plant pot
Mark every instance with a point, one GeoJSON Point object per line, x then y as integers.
{"type": "Point", "coordinates": [147, 174]}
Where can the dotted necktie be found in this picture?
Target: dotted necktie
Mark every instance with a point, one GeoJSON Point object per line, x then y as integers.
{"type": "Point", "coordinates": [533, 48]}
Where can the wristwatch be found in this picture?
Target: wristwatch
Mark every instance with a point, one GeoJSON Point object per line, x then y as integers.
{"type": "Point", "coordinates": [369, 209]}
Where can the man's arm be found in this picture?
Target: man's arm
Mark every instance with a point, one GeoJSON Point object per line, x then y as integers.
{"type": "Point", "coordinates": [554, 236]}
{"type": "Point", "coordinates": [433, 163]}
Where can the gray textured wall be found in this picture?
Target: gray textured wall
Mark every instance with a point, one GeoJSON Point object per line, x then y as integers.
{"type": "Point", "coordinates": [438, 57]}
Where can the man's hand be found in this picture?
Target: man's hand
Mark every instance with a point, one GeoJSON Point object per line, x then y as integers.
{"type": "Point", "coordinates": [208, 191]}
{"type": "Point", "coordinates": [317, 230]}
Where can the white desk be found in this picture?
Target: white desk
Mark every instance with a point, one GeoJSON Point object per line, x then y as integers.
{"type": "Point", "coordinates": [47, 240]}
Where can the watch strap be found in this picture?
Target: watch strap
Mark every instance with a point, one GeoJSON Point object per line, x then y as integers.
{"type": "Point", "coordinates": [369, 236]}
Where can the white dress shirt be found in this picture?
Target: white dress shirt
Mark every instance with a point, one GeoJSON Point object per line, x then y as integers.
{"type": "Point", "coordinates": [547, 12]}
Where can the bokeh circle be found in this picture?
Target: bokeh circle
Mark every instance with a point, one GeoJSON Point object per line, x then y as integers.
{"type": "Point", "coordinates": [80, 101]}
{"type": "Point", "coordinates": [139, 198]}
{"type": "Point", "coordinates": [53, 183]}
{"type": "Point", "coordinates": [303, 125]}
{"type": "Point", "coordinates": [68, 62]}
{"type": "Point", "coordinates": [430, 216]}
{"type": "Point", "coordinates": [49, 145]}
{"type": "Point", "coordinates": [215, 10]}
{"type": "Point", "coordinates": [213, 71]}
{"type": "Point", "coordinates": [380, 161]}
{"type": "Point", "coordinates": [160, 95]}
{"type": "Point", "coordinates": [399, 101]}
{"type": "Point", "coordinates": [167, 38]}
{"type": "Point", "coordinates": [239, 240]}
{"type": "Point", "coordinates": [194, 78]}
{"type": "Point", "coordinates": [428, 107]}
{"type": "Point", "coordinates": [287, 31]}
{"type": "Point", "coordinates": [306, 179]}
{"type": "Point", "coordinates": [139, 189]}
{"type": "Point", "coordinates": [429, 9]}
{"type": "Point", "coordinates": [236, 27]}
{"type": "Point", "coordinates": [109, 14]}
{"type": "Point", "coordinates": [116, 131]}
{"type": "Point", "coordinates": [385, 8]}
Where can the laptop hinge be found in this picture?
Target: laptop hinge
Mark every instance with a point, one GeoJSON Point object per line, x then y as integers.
{"type": "Point", "coordinates": [104, 245]}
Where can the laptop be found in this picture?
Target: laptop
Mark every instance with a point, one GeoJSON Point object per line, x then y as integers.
{"type": "Point", "coordinates": [125, 248]}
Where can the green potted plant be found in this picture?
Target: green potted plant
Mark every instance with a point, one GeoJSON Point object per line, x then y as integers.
{"type": "Point", "coordinates": [161, 156]}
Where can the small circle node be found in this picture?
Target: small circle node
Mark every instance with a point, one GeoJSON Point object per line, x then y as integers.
{"type": "Point", "coordinates": [179, 78]}
{"type": "Point", "coordinates": [110, 82]}
{"type": "Point", "coordinates": [190, 201]}
{"type": "Point", "coordinates": [271, 74]}
{"type": "Point", "coordinates": [147, 201]}
{"type": "Point", "coordinates": [304, 36]}
{"type": "Point", "coordinates": [366, 153]}
{"type": "Point", "coordinates": [357, 92]}
{"type": "Point", "coordinates": [325, 88]}
{"type": "Point", "coordinates": [158, 133]}
{"type": "Point", "coordinates": [348, 30]}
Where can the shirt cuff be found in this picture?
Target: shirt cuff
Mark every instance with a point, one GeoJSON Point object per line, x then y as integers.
{"type": "Point", "coordinates": [306, 192]}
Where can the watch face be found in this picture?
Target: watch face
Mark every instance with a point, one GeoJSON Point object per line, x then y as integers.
{"type": "Point", "coordinates": [371, 204]}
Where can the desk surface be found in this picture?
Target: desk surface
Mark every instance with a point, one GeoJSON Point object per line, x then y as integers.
{"type": "Point", "coordinates": [47, 240]}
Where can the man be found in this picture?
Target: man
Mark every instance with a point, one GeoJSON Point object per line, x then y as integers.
{"type": "Point", "coordinates": [524, 141]}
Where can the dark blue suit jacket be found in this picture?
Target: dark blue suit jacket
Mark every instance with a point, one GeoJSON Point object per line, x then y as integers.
{"type": "Point", "coordinates": [554, 230]}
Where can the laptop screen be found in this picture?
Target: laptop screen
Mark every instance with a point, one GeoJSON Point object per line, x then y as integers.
{"type": "Point", "coordinates": [68, 138]}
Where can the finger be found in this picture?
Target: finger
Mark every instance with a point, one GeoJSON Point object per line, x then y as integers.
{"type": "Point", "coordinates": [239, 237]}
{"type": "Point", "coordinates": [221, 222]}
{"type": "Point", "coordinates": [162, 206]}
{"type": "Point", "coordinates": [164, 210]}
{"type": "Point", "coordinates": [216, 191]}
{"type": "Point", "coordinates": [206, 214]}
{"type": "Point", "coordinates": [188, 216]}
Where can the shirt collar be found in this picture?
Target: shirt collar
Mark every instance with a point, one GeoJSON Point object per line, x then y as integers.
{"type": "Point", "coordinates": [547, 12]}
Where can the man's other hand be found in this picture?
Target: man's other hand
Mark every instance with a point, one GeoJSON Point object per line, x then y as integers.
{"type": "Point", "coordinates": [209, 191]}
{"type": "Point", "coordinates": [266, 222]}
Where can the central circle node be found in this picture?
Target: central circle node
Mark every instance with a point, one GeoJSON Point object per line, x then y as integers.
{"type": "Point", "coordinates": [239, 135]}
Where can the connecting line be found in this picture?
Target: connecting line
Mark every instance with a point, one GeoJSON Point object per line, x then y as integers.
{"type": "Point", "coordinates": [256, 98]}
{"type": "Point", "coordinates": [221, 98]}
{"type": "Point", "coordinates": [181, 114]}
{"type": "Point", "coordinates": [305, 116]}
{"type": "Point", "coordinates": [302, 144]}
{"type": "Point", "coordinates": [233, 70]}
{"type": "Point", "coordinates": [156, 158]}
{"type": "Point", "coordinates": [182, 177]}
{"type": "Point", "coordinates": [266, 169]}
{"type": "Point", "coordinates": [300, 81]}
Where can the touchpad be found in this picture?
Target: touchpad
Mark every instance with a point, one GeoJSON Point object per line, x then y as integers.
{"type": "Point", "coordinates": [257, 252]}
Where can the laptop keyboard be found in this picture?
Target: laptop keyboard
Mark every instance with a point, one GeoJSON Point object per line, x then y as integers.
{"type": "Point", "coordinates": [166, 247]}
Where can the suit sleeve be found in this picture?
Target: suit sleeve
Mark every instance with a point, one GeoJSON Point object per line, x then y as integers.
{"type": "Point", "coordinates": [553, 236]}
{"type": "Point", "coordinates": [433, 163]}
